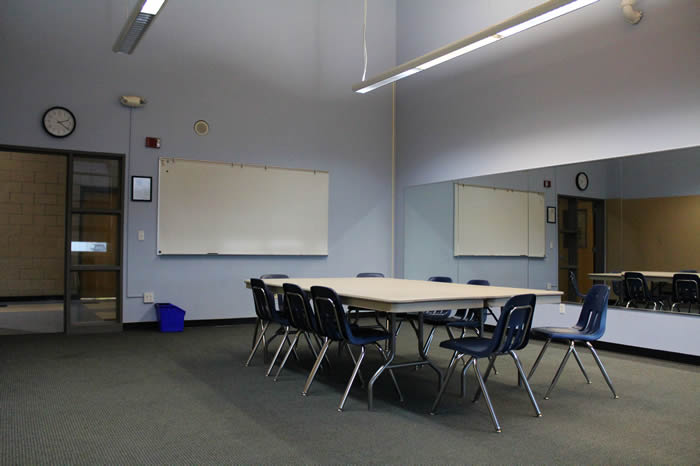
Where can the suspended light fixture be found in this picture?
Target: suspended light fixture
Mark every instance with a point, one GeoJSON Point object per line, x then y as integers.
{"type": "Point", "coordinates": [525, 20]}
{"type": "Point", "coordinates": [140, 19]}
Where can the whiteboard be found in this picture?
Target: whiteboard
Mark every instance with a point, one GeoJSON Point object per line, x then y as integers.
{"type": "Point", "coordinates": [498, 222]}
{"type": "Point", "coordinates": [224, 208]}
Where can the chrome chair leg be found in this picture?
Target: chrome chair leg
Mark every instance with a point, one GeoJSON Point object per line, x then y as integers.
{"type": "Point", "coordinates": [312, 374]}
{"type": "Point", "coordinates": [559, 371]}
{"type": "Point", "coordinates": [359, 372]}
{"type": "Point", "coordinates": [539, 357]}
{"type": "Point", "coordinates": [429, 340]}
{"type": "Point", "coordinates": [258, 324]}
{"type": "Point", "coordinates": [602, 368]}
{"type": "Point", "coordinates": [277, 353]}
{"type": "Point", "coordinates": [352, 377]}
{"type": "Point", "coordinates": [486, 397]}
{"type": "Point", "coordinates": [492, 360]}
{"type": "Point", "coordinates": [391, 372]}
{"type": "Point", "coordinates": [580, 364]}
{"type": "Point", "coordinates": [261, 336]}
{"type": "Point", "coordinates": [286, 355]}
{"type": "Point", "coordinates": [519, 365]}
{"type": "Point", "coordinates": [450, 371]}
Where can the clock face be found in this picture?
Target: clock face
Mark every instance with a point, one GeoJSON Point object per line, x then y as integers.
{"type": "Point", "coordinates": [59, 122]}
{"type": "Point", "coordinates": [582, 181]}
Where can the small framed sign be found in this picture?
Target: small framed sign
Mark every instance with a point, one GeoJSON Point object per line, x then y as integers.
{"type": "Point", "coordinates": [551, 214]}
{"type": "Point", "coordinates": [141, 188]}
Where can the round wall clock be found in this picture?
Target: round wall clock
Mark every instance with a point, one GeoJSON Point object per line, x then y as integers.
{"type": "Point", "coordinates": [582, 181]}
{"type": "Point", "coordinates": [59, 122]}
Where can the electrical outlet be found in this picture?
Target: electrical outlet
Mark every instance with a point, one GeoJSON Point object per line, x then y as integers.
{"type": "Point", "coordinates": [551, 245]}
{"type": "Point", "coordinates": [562, 308]}
{"type": "Point", "coordinates": [148, 297]}
{"type": "Point", "coordinates": [142, 235]}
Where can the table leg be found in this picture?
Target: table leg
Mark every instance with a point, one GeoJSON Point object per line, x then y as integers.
{"type": "Point", "coordinates": [390, 354]}
{"type": "Point", "coordinates": [421, 351]}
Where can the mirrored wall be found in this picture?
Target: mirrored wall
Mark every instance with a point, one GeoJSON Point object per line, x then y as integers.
{"type": "Point", "coordinates": [567, 227]}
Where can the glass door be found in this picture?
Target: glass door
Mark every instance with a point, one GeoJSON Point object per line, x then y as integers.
{"type": "Point", "coordinates": [94, 229]}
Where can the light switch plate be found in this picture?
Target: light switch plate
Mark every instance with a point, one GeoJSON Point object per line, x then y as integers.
{"type": "Point", "coordinates": [142, 235]}
{"type": "Point", "coordinates": [562, 308]}
{"type": "Point", "coordinates": [148, 297]}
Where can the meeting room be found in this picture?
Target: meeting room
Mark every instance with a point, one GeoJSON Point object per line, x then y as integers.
{"type": "Point", "coordinates": [349, 231]}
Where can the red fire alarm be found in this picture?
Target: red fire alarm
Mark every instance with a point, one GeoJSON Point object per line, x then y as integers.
{"type": "Point", "coordinates": [153, 143]}
{"type": "Point", "coordinates": [547, 183]}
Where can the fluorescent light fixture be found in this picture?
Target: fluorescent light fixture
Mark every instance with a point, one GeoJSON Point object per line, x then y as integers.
{"type": "Point", "coordinates": [140, 19]}
{"type": "Point", "coordinates": [525, 20]}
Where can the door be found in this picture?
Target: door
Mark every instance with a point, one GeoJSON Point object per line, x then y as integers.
{"type": "Point", "coordinates": [93, 274]}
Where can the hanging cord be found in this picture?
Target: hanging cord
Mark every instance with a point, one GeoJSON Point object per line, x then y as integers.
{"type": "Point", "coordinates": [364, 42]}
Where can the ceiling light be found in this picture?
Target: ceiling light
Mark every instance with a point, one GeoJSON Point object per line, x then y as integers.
{"type": "Point", "coordinates": [525, 20]}
{"type": "Point", "coordinates": [140, 19]}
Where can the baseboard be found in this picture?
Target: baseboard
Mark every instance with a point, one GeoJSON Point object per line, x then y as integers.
{"type": "Point", "coordinates": [192, 323]}
{"type": "Point", "coordinates": [633, 350]}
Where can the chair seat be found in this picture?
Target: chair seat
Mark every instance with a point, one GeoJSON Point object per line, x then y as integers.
{"type": "Point", "coordinates": [566, 333]}
{"type": "Point", "coordinates": [366, 335]}
{"type": "Point", "coordinates": [473, 346]}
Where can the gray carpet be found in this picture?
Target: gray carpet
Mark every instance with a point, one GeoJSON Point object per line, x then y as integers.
{"type": "Point", "coordinates": [142, 397]}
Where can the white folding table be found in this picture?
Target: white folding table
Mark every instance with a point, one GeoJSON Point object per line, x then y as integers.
{"type": "Point", "coordinates": [394, 296]}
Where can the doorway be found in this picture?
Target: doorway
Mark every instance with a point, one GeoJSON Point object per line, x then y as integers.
{"type": "Point", "coordinates": [581, 244]}
{"type": "Point", "coordinates": [61, 215]}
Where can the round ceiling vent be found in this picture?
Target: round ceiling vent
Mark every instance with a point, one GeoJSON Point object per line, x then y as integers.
{"type": "Point", "coordinates": [201, 127]}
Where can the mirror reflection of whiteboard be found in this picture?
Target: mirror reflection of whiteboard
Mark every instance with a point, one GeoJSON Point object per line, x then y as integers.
{"type": "Point", "coordinates": [141, 188]}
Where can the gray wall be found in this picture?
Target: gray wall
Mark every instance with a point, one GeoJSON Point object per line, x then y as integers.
{"type": "Point", "coordinates": [585, 86]}
{"type": "Point", "coordinates": [272, 78]}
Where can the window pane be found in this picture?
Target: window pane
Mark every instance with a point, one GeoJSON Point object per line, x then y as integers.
{"type": "Point", "coordinates": [95, 239]}
{"type": "Point", "coordinates": [96, 183]}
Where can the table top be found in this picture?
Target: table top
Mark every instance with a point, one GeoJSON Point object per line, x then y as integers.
{"type": "Point", "coordinates": [400, 295]}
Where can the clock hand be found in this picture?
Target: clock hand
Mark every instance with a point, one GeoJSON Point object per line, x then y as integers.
{"type": "Point", "coordinates": [60, 122]}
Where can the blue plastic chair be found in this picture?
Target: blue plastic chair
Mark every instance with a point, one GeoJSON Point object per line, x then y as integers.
{"type": "Point", "coordinates": [302, 317]}
{"type": "Point", "coordinates": [574, 284]}
{"type": "Point", "coordinates": [356, 312]}
{"type": "Point", "coordinates": [511, 334]}
{"type": "Point", "coordinates": [463, 319]}
{"type": "Point", "coordinates": [686, 290]}
{"type": "Point", "coordinates": [280, 306]}
{"type": "Point", "coordinates": [590, 327]}
{"type": "Point", "coordinates": [333, 325]}
{"type": "Point", "coordinates": [268, 314]}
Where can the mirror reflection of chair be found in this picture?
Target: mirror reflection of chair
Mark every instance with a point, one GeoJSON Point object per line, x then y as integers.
{"type": "Point", "coordinates": [686, 290]}
{"type": "Point", "coordinates": [638, 292]}
{"type": "Point", "coordinates": [511, 334]}
{"type": "Point", "coordinates": [590, 327]}
{"type": "Point", "coordinates": [355, 313]}
{"type": "Point", "coordinates": [574, 284]}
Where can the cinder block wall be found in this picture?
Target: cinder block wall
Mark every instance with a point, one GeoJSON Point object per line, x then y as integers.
{"type": "Point", "coordinates": [32, 224]}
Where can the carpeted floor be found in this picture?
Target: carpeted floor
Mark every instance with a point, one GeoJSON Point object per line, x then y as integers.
{"type": "Point", "coordinates": [143, 397]}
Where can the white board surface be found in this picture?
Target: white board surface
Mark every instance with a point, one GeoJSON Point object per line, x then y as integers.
{"type": "Point", "coordinates": [498, 222]}
{"type": "Point", "coordinates": [224, 208]}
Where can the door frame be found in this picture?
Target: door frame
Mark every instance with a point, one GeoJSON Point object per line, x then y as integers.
{"type": "Point", "coordinates": [68, 267]}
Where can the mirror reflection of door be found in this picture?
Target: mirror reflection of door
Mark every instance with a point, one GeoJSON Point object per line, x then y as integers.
{"type": "Point", "coordinates": [580, 244]}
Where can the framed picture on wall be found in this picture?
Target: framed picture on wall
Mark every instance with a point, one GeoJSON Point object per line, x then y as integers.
{"type": "Point", "coordinates": [551, 214]}
{"type": "Point", "coordinates": [141, 188]}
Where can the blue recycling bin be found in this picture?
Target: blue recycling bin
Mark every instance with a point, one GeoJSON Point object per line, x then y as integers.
{"type": "Point", "coordinates": [170, 317]}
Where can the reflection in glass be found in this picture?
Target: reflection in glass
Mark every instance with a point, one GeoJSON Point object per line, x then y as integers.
{"type": "Point", "coordinates": [96, 183]}
{"type": "Point", "coordinates": [94, 296]}
{"type": "Point", "coordinates": [95, 239]}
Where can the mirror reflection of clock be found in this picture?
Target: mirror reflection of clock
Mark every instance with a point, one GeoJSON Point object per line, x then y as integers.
{"type": "Point", "coordinates": [582, 181]}
{"type": "Point", "coordinates": [59, 122]}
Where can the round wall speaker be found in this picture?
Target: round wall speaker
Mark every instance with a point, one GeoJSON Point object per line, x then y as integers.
{"type": "Point", "coordinates": [201, 127]}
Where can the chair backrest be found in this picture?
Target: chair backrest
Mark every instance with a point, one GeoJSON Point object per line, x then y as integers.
{"type": "Point", "coordinates": [445, 313]}
{"type": "Point", "coordinates": [636, 286]}
{"type": "Point", "coordinates": [686, 288]}
{"type": "Point", "coordinates": [594, 310]}
{"type": "Point", "coordinates": [476, 314]}
{"type": "Point", "coordinates": [263, 298]}
{"type": "Point", "coordinates": [299, 306]}
{"type": "Point", "coordinates": [513, 329]}
{"type": "Point", "coordinates": [574, 284]}
{"type": "Point", "coordinates": [280, 299]}
{"type": "Point", "coordinates": [332, 322]}
{"type": "Point", "coordinates": [370, 274]}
